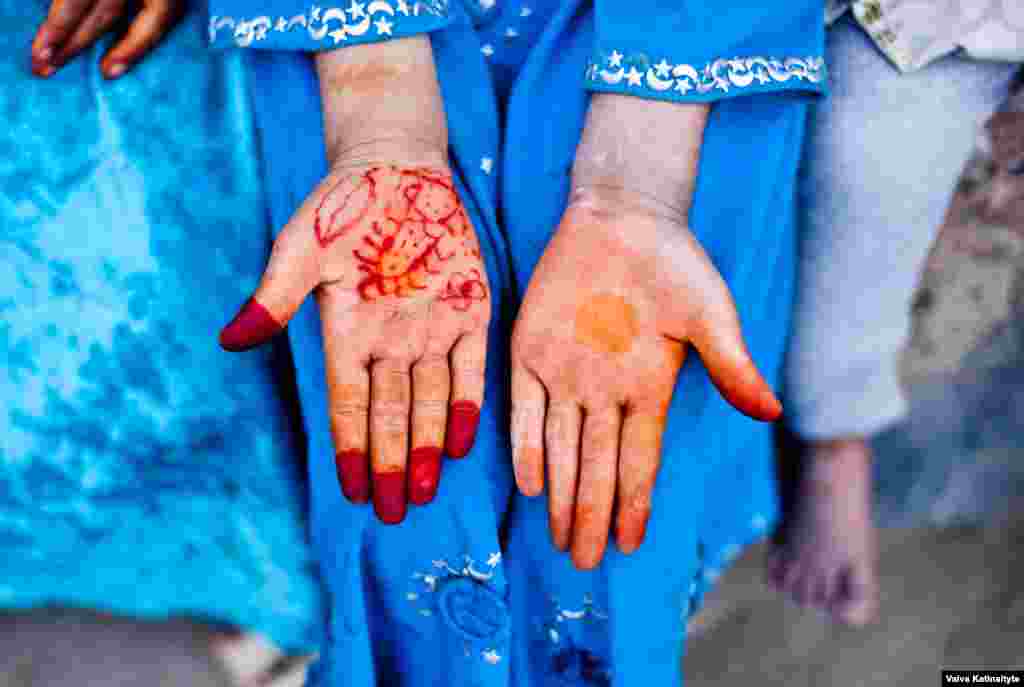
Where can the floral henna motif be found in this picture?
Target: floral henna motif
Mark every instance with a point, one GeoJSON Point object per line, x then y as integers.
{"type": "Point", "coordinates": [462, 290]}
{"type": "Point", "coordinates": [411, 223]}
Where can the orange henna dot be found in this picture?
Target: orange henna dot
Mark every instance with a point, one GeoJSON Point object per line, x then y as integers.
{"type": "Point", "coordinates": [606, 323]}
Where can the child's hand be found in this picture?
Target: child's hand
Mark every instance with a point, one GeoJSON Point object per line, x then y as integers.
{"type": "Point", "coordinates": [395, 265]}
{"type": "Point", "coordinates": [73, 25]}
{"type": "Point", "coordinates": [602, 333]}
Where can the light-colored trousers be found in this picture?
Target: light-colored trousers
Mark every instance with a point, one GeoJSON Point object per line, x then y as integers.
{"type": "Point", "coordinates": [883, 155]}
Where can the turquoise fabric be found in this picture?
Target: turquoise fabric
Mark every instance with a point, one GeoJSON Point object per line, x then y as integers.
{"type": "Point", "coordinates": [468, 591]}
{"type": "Point", "coordinates": [144, 471]}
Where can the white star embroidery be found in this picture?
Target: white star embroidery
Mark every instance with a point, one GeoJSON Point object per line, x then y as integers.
{"type": "Point", "coordinates": [615, 59]}
{"type": "Point", "coordinates": [633, 77]}
{"type": "Point", "coordinates": [487, 49]}
{"type": "Point", "coordinates": [282, 24]}
{"type": "Point", "coordinates": [487, 164]}
{"type": "Point", "coordinates": [525, 12]}
{"type": "Point", "coordinates": [486, 4]}
{"type": "Point", "coordinates": [683, 86]}
{"type": "Point", "coordinates": [357, 9]}
{"type": "Point", "coordinates": [338, 35]}
{"type": "Point", "coordinates": [383, 26]}
{"type": "Point", "coordinates": [491, 656]}
{"type": "Point", "coordinates": [494, 558]}
{"type": "Point", "coordinates": [662, 69]}
{"type": "Point", "coordinates": [511, 33]}
{"type": "Point", "coordinates": [403, 7]}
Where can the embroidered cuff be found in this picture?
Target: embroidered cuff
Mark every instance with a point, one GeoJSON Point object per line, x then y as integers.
{"type": "Point", "coordinates": [330, 26]}
{"type": "Point", "coordinates": [638, 74]}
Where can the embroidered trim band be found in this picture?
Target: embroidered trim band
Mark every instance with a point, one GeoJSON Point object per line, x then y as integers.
{"type": "Point", "coordinates": [332, 23]}
{"type": "Point", "coordinates": [720, 74]}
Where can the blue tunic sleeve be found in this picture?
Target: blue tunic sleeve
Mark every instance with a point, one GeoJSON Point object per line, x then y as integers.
{"type": "Point", "coordinates": [307, 26]}
{"type": "Point", "coordinates": [705, 50]}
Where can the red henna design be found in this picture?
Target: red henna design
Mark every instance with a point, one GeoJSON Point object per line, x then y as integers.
{"type": "Point", "coordinates": [336, 216]}
{"type": "Point", "coordinates": [405, 215]}
{"type": "Point", "coordinates": [252, 326]}
{"type": "Point", "coordinates": [463, 290]}
{"type": "Point", "coordinates": [424, 474]}
{"type": "Point", "coordinates": [389, 496]}
{"type": "Point", "coordinates": [463, 418]}
{"type": "Point", "coordinates": [354, 475]}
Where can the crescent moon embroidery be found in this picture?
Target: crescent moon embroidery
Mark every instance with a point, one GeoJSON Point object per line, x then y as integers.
{"type": "Point", "coordinates": [740, 74]}
{"type": "Point", "coordinates": [796, 67]}
{"type": "Point", "coordinates": [685, 70]}
{"type": "Point", "coordinates": [657, 84]}
{"type": "Point", "coordinates": [333, 13]}
{"type": "Point", "coordinates": [778, 71]}
{"type": "Point", "coordinates": [477, 575]}
{"type": "Point", "coordinates": [612, 77]}
{"type": "Point", "coordinates": [299, 19]}
{"type": "Point", "coordinates": [574, 615]}
{"type": "Point", "coordinates": [360, 28]}
{"type": "Point", "coordinates": [380, 6]}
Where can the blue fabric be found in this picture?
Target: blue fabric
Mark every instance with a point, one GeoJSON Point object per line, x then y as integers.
{"type": "Point", "coordinates": [144, 470]}
{"type": "Point", "coordinates": [701, 50]}
{"type": "Point", "coordinates": [302, 25]}
{"type": "Point", "coordinates": [468, 590]}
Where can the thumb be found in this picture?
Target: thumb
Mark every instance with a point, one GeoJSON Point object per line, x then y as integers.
{"type": "Point", "coordinates": [292, 273]}
{"type": "Point", "coordinates": [719, 342]}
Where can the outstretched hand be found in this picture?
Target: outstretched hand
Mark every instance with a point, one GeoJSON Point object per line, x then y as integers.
{"type": "Point", "coordinates": [601, 336]}
{"type": "Point", "coordinates": [71, 26]}
{"type": "Point", "coordinates": [404, 303]}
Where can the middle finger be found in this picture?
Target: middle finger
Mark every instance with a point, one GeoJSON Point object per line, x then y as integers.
{"type": "Point", "coordinates": [389, 436]}
{"type": "Point", "coordinates": [599, 456]}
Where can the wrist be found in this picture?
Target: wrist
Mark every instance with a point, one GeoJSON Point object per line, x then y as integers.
{"type": "Point", "coordinates": [641, 149]}
{"type": "Point", "coordinates": [403, 149]}
{"type": "Point", "coordinates": [382, 101]}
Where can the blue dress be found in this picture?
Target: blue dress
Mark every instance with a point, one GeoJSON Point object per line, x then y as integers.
{"type": "Point", "coordinates": [469, 590]}
{"type": "Point", "coordinates": [144, 471]}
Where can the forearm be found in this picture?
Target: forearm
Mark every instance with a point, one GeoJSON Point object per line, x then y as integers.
{"type": "Point", "coordinates": [383, 100]}
{"type": "Point", "coordinates": [636, 145]}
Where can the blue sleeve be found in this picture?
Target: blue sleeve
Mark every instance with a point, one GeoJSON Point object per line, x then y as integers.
{"type": "Point", "coordinates": [306, 26]}
{"type": "Point", "coordinates": [705, 50]}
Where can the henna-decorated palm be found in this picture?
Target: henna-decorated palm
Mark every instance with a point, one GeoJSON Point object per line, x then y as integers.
{"type": "Point", "coordinates": [596, 351]}
{"type": "Point", "coordinates": [404, 304]}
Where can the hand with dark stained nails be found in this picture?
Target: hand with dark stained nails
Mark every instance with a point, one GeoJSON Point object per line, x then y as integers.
{"type": "Point", "coordinates": [71, 26]}
{"type": "Point", "coordinates": [387, 248]}
{"type": "Point", "coordinates": [404, 301]}
{"type": "Point", "coordinates": [621, 290]}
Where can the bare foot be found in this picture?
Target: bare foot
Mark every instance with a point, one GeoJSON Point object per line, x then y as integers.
{"type": "Point", "coordinates": [828, 553]}
{"type": "Point", "coordinates": [251, 661]}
